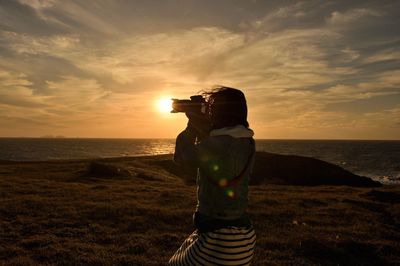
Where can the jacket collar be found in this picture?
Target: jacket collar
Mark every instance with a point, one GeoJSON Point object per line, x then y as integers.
{"type": "Point", "coordinates": [238, 131]}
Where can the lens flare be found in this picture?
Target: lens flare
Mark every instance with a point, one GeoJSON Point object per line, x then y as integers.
{"type": "Point", "coordinates": [230, 193]}
{"type": "Point", "coordinates": [223, 182]}
{"type": "Point", "coordinates": [164, 105]}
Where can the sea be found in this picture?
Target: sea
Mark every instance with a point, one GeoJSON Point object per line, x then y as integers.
{"type": "Point", "coordinates": [378, 159]}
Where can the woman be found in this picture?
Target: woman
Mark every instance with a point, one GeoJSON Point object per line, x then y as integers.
{"type": "Point", "coordinates": [220, 144]}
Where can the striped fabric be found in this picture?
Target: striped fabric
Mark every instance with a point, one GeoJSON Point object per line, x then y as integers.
{"type": "Point", "coordinates": [226, 246]}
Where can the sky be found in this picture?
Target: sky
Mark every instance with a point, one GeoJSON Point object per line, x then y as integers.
{"type": "Point", "coordinates": [309, 69]}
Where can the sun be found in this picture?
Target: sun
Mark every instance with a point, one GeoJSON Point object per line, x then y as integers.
{"type": "Point", "coordinates": [164, 105]}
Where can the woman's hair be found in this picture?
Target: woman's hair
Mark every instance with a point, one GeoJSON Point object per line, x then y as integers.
{"type": "Point", "coordinates": [227, 107]}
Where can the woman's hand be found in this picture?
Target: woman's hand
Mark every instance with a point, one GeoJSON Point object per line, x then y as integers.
{"type": "Point", "coordinates": [199, 125]}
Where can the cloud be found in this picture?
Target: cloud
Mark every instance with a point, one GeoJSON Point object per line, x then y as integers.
{"type": "Point", "coordinates": [39, 4]}
{"type": "Point", "coordinates": [71, 63]}
{"type": "Point", "coordinates": [75, 91]}
{"type": "Point", "coordinates": [352, 15]}
{"type": "Point", "coordinates": [32, 45]}
{"type": "Point", "coordinates": [350, 54]}
{"type": "Point", "coordinates": [391, 54]}
{"type": "Point", "coordinates": [32, 23]}
{"type": "Point", "coordinates": [15, 91]}
{"type": "Point", "coordinates": [13, 79]}
{"type": "Point", "coordinates": [159, 59]}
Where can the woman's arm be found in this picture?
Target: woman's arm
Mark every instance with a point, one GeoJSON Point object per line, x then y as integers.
{"type": "Point", "coordinates": [186, 149]}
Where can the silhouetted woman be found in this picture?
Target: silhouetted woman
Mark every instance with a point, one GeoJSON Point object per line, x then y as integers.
{"type": "Point", "coordinates": [220, 144]}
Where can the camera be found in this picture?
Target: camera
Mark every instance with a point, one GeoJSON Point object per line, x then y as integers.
{"type": "Point", "coordinates": [196, 109]}
{"type": "Point", "coordinates": [197, 105]}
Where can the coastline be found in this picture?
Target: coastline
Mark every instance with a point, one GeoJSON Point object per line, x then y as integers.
{"type": "Point", "coordinates": [58, 212]}
{"type": "Point", "coordinates": [375, 159]}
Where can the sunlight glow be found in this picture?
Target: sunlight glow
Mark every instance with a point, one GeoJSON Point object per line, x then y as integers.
{"type": "Point", "coordinates": [164, 105]}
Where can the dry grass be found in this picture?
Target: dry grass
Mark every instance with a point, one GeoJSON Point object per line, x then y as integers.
{"type": "Point", "coordinates": [54, 213]}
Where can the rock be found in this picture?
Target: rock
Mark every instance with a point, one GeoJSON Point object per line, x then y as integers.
{"type": "Point", "coordinates": [101, 169]}
{"type": "Point", "coordinates": [306, 171]}
{"type": "Point", "coordinates": [383, 196]}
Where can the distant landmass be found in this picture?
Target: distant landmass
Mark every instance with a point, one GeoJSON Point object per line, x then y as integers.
{"type": "Point", "coordinates": [53, 137]}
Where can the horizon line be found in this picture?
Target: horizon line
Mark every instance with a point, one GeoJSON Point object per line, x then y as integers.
{"type": "Point", "coordinates": [167, 138]}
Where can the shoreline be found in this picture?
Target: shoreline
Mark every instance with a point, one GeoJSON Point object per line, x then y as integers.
{"type": "Point", "coordinates": [374, 159]}
{"type": "Point", "coordinates": [155, 157]}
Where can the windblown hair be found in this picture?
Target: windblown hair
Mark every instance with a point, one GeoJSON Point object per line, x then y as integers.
{"type": "Point", "coordinates": [227, 107]}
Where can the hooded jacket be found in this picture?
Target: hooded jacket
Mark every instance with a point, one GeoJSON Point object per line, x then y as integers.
{"type": "Point", "coordinates": [224, 161]}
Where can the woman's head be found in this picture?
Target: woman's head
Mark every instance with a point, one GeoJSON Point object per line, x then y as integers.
{"type": "Point", "coordinates": [227, 107]}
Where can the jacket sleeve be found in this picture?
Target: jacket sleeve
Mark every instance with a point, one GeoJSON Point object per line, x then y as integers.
{"type": "Point", "coordinates": [201, 154]}
{"type": "Point", "coordinates": [186, 150]}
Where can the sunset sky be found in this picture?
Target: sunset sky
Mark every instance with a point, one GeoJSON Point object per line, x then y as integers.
{"type": "Point", "coordinates": [309, 69]}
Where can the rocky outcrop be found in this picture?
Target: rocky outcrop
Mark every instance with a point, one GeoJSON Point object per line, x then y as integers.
{"type": "Point", "coordinates": [101, 169]}
{"type": "Point", "coordinates": [306, 171]}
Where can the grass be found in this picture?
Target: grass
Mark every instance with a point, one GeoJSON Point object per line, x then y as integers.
{"type": "Point", "coordinates": [54, 213]}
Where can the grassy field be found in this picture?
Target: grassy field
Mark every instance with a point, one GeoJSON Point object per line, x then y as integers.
{"type": "Point", "coordinates": [55, 213]}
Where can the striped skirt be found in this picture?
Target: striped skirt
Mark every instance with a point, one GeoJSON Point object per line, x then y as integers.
{"type": "Point", "coordinates": [226, 246]}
